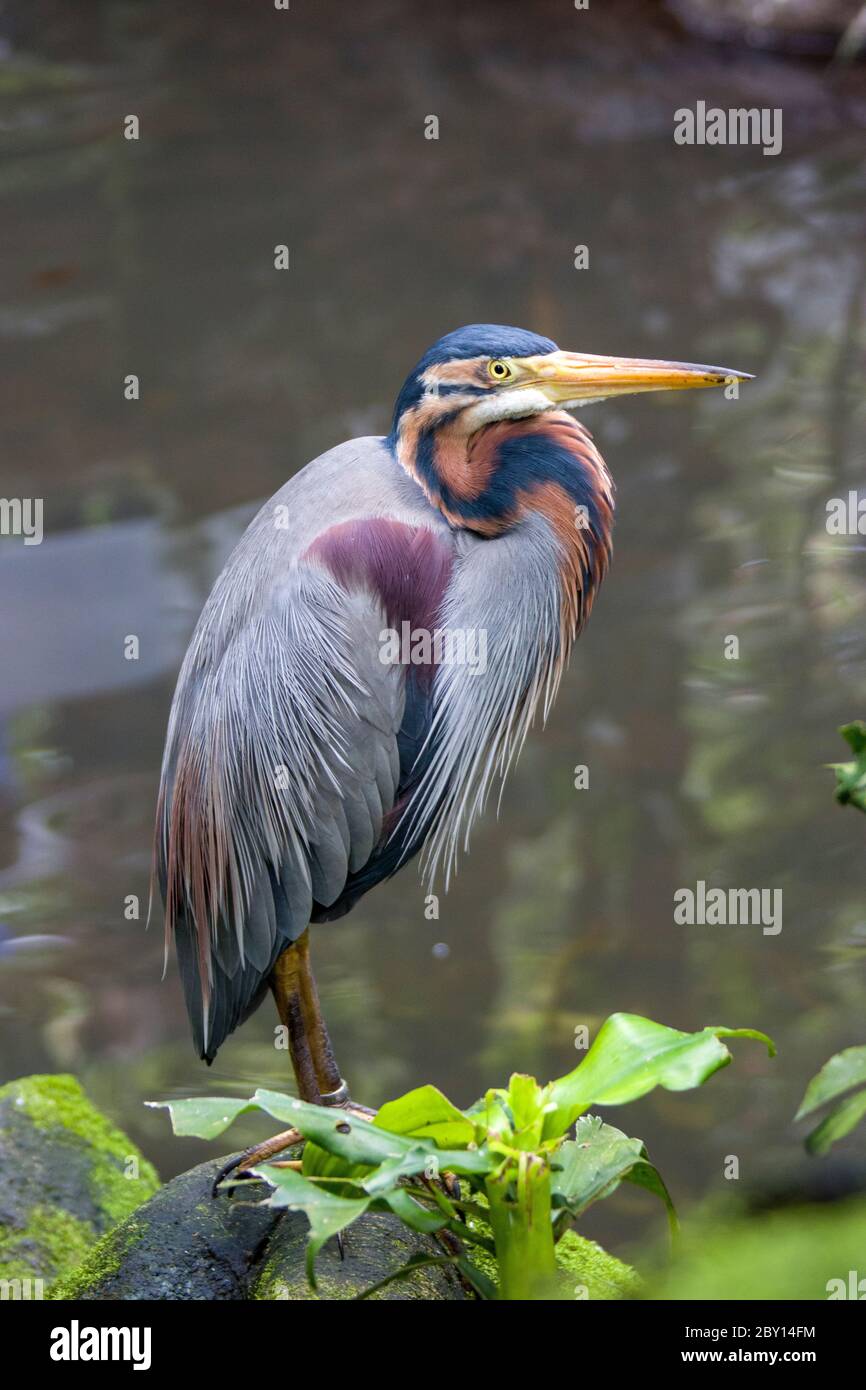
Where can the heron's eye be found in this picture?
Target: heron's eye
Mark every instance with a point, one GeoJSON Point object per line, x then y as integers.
{"type": "Point", "coordinates": [500, 371]}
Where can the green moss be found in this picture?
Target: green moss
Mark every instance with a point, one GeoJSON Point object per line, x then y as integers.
{"type": "Point", "coordinates": [587, 1264]}
{"type": "Point", "coordinates": [270, 1282]}
{"type": "Point", "coordinates": [53, 1243]}
{"type": "Point", "coordinates": [99, 1263]}
{"type": "Point", "coordinates": [582, 1265]}
{"type": "Point", "coordinates": [57, 1103]}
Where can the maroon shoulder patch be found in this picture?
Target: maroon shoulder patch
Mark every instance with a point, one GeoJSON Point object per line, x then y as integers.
{"type": "Point", "coordinates": [408, 567]}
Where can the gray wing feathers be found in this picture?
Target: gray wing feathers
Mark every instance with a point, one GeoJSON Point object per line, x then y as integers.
{"type": "Point", "coordinates": [282, 757]}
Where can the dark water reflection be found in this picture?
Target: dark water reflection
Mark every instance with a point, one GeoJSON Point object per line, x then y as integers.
{"type": "Point", "coordinates": [156, 258]}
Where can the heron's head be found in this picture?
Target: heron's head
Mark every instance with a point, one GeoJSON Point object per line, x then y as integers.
{"type": "Point", "coordinates": [488, 375]}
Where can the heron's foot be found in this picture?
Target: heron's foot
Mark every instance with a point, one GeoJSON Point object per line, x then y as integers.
{"type": "Point", "coordinates": [363, 1112]}
{"type": "Point", "coordinates": [241, 1166]}
{"type": "Point", "coordinates": [266, 1152]}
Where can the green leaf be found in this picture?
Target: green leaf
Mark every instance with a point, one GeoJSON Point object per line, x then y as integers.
{"type": "Point", "coordinates": [851, 777]}
{"type": "Point", "coordinates": [414, 1263]}
{"type": "Point", "coordinates": [360, 1141]}
{"type": "Point", "coordinates": [481, 1283]}
{"type": "Point", "coordinates": [426, 1113]}
{"type": "Point", "coordinates": [633, 1055]}
{"type": "Point", "coordinates": [843, 1117]}
{"type": "Point", "coordinates": [525, 1101]}
{"type": "Point", "coordinates": [318, 1163]}
{"type": "Point", "coordinates": [326, 1213]}
{"type": "Point", "coordinates": [408, 1165]}
{"type": "Point", "coordinates": [346, 1136]}
{"type": "Point", "coordinates": [413, 1213]}
{"type": "Point", "coordinates": [647, 1176]}
{"type": "Point", "coordinates": [202, 1119]}
{"type": "Point", "coordinates": [491, 1116]}
{"type": "Point", "coordinates": [592, 1165]}
{"type": "Point", "coordinates": [844, 1070]}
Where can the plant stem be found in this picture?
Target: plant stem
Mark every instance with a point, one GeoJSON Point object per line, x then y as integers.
{"type": "Point", "coordinates": [522, 1228]}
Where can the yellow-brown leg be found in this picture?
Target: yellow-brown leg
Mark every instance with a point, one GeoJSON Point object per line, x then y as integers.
{"type": "Point", "coordinates": [290, 984]}
{"type": "Point", "coordinates": [316, 1071]}
{"type": "Point", "coordinates": [332, 1088]}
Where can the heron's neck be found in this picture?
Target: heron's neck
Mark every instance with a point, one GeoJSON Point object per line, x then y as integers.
{"type": "Point", "coordinates": [490, 481]}
{"type": "Point", "coordinates": [487, 481]}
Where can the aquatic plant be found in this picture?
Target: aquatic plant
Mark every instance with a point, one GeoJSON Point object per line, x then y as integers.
{"type": "Point", "coordinates": [504, 1179]}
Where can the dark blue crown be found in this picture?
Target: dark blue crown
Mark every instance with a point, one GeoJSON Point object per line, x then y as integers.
{"type": "Point", "coordinates": [474, 340]}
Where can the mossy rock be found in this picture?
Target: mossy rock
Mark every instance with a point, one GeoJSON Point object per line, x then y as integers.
{"type": "Point", "coordinates": [68, 1177]}
{"type": "Point", "coordinates": [182, 1244]}
{"type": "Point", "coordinates": [186, 1244]}
{"type": "Point", "coordinates": [591, 1272]}
{"type": "Point", "coordinates": [374, 1246]}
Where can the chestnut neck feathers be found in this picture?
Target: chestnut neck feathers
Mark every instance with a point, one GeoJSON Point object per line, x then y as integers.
{"type": "Point", "coordinates": [487, 482]}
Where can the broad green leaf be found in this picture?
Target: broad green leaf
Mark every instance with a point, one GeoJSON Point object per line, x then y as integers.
{"type": "Point", "coordinates": [202, 1119]}
{"type": "Point", "coordinates": [326, 1213]}
{"type": "Point", "coordinates": [844, 1070]}
{"type": "Point", "coordinates": [851, 777]}
{"type": "Point", "coordinates": [426, 1113]}
{"type": "Point", "coordinates": [346, 1136]}
{"type": "Point", "coordinates": [592, 1165]}
{"type": "Point", "coordinates": [359, 1141]}
{"type": "Point", "coordinates": [841, 1120]}
{"type": "Point", "coordinates": [633, 1055]}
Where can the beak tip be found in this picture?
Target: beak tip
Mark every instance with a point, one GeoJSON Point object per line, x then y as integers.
{"type": "Point", "coordinates": [722, 377]}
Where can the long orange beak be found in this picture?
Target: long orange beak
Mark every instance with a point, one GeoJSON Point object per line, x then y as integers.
{"type": "Point", "coordinates": [568, 378]}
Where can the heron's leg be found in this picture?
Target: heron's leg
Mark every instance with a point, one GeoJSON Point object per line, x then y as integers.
{"type": "Point", "coordinates": [332, 1088]}
{"type": "Point", "coordinates": [289, 981]}
{"type": "Point", "coordinates": [316, 1071]}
